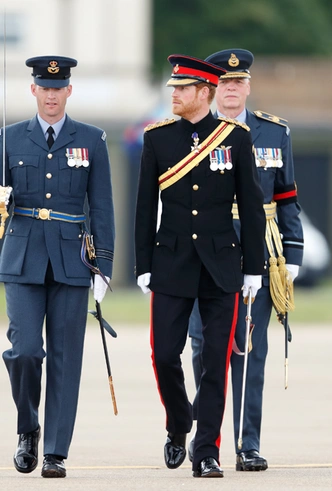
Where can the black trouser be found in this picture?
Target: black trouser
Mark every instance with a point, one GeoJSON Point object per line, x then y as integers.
{"type": "Point", "coordinates": [169, 326]}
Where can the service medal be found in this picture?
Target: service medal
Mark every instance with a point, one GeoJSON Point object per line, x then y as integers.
{"type": "Point", "coordinates": [70, 156]}
{"type": "Point", "coordinates": [228, 156]}
{"type": "Point", "coordinates": [78, 155]}
{"type": "Point", "coordinates": [215, 159]}
{"type": "Point", "coordinates": [85, 156]}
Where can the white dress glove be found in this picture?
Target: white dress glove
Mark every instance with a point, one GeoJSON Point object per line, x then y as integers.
{"type": "Point", "coordinates": [251, 281]}
{"type": "Point", "coordinates": [143, 282]}
{"type": "Point", "coordinates": [293, 270]}
{"type": "Point", "coordinates": [99, 288]}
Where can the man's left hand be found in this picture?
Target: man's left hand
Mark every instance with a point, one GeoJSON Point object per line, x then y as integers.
{"type": "Point", "coordinates": [254, 282]}
{"type": "Point", "coordinates": [293, 270]}
{"type": "Point", "coordinates": [99, 288]}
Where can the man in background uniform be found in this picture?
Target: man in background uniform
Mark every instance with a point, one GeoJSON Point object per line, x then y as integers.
{"type": "Point", "coordinates": [274, 161]}
{"type": "Point", "coordinates": [53, 164]}
{"type": "Point", "coordinates": [198, 163]}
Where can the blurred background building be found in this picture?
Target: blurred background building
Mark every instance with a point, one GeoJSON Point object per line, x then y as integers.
{"type": "Point", "coordinates": [116, 86]}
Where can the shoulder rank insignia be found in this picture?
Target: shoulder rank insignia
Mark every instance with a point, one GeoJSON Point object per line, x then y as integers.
{"type": "Point", "coordinates": [271, 117]}
{"type": "Point", "coordinates": [237, 123]}
{"type": "Point", "coordinates": [158, 124]}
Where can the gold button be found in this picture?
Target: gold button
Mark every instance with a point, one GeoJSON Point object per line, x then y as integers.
{"type": "Point", "coordinates": [233, 245]}
{"type": "Point", "coordinates": [194, 212]}
{"type": "Point", "coordinates": [157, 243]}
{"type": "Point", "coordinates": [194, 236]}
{"type": "Point", "coordinates": [222, 172]}
{"type": "Point", "coordinates": [48, 195]}
{"type": "Point", "coordinates": [80, 236]}
{"type": "Point", "coordinates": [20, 162]}
{"type": "Point", "coordinates": [195, 187]}
{"type": "Point", "coordinates": [50, 156]}
{"type": "Point", "coordinates": [49, 175]}
{"type": "Point", "coordinates": [11, 231]}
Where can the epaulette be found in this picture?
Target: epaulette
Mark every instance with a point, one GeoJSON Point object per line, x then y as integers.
{"type": "Point", "coordinates": [271, 117]}
{"type": "Point", "coordinates": [158, 124]}
{"type": "Point", "coordinates": [234, 121]}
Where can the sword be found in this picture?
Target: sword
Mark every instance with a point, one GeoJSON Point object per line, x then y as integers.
{"type": "Point", "coordinates": [286, 326]}
{"type": "Point", "coordinates": [5, 191]}
{"type": "Point", "coordinates": [245, 364]}
{"type": "Point", "coordinates": [102, 326]}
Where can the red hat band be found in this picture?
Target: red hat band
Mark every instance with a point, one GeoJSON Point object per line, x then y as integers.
{"type": "Point", "coordinates": [192, 72]}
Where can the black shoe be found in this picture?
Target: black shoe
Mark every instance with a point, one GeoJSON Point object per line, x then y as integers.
{"type": "Point", "coordinates": [53, 466]}
{"type": "Point", "coordinates": [175, 450]}
{"type": "Point", "coordinates": [26, 455]}
{"type": "Point", "coordinates": [208, 467]}
{"type": "Point", "coordinates": [191, 449]}
{"type": "Point", "coordinates": [250, 461]}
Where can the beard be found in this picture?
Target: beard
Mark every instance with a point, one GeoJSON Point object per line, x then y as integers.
{"type": "Point", "coordinates": [186, 110]}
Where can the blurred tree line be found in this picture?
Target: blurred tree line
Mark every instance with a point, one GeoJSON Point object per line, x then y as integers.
{"type": "Point", "coordinates": [265, 27]}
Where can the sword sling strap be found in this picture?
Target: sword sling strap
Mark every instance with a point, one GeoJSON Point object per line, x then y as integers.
{"type": "Point", "coordinates": [182, 168]}
{"type": "Point", "coordinates": [281, 285]}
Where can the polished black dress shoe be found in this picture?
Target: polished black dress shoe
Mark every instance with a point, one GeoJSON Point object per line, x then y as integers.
{"type": "Point", "coordinates": [26, 455]}
{"type": "Point", "coordinates": [191, 449]}
{"type": "Point", "coordinates": [53, 466]}
{"type": "Point", "coordinates": [250, 461]}
{"type": "Point", "coordinates": [175, 450]}
{"type": "Point", "coordinates": [208, 467]}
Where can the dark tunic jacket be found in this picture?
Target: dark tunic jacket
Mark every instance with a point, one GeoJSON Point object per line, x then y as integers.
{"type": "Point", "coordinates": [196, 225]}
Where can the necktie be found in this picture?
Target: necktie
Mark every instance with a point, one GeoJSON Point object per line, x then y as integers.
{"type": "Point", "coordinates": [50, 139]}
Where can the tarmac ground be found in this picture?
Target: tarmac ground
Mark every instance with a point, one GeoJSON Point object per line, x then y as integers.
{"type": "Point", "coordinates": [125, 452]}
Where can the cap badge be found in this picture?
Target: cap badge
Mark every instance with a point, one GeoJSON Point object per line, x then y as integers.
{"type": "Point", "coordinates": [176, 69]}
{"type": "Point", "coordinates": [53, 68]}
{"type": "Point", "coordinates": [233, 61]}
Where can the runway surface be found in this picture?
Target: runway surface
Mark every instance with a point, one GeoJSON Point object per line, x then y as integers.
{"type": "Point", "coordinates": [125, 452]}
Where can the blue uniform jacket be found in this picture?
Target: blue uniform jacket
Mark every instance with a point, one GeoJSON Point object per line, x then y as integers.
{"type": "Point", "coordinates": [276, 182]}
{"type": "Point", "coordinates": [41, 178]}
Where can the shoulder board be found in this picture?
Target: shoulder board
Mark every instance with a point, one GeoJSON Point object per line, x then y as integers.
{"type": "Point", "coordinates": [158, 124]}
{"type": "Point", "coordinates": [271, 117]}
{"type": "Point", "coordinates": [237, 123]}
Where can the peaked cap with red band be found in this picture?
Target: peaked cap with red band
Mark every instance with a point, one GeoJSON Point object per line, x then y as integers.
{"type": "Point", "coordinates": [189, 71]}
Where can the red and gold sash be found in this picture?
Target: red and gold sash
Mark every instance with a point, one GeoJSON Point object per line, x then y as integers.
{"type": "Point", "coordinates": [190, 161]}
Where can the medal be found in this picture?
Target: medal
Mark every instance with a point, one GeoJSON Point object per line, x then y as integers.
{"type": "Point", "coordinates": [70, 156]}
{"type": "Point", "coordinates": [85, 157]}
{"type": "Point", "coordinates": [78, 153]}
{"type": "Point", "coordinates": [228, 164]}
{"type": "Point", "coordinates": [214, 160]}
{"type": "Point", "coordinates": [196, 146]}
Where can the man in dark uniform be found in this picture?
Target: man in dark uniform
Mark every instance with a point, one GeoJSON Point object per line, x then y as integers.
{"type": "Point", "coordinates": [53, 165]}
{"type": "Point", "coordinates": [274, 161]}
{"type": "Point", "coordinates": [197, 163]}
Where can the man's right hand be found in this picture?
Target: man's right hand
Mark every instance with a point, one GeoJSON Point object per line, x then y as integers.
{"type": "Point", "coordinates": [143, 281]}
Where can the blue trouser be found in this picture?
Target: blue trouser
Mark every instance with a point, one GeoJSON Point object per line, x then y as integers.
{"type": "Point", "coordinates": [64, 309]}
{"type": "Point", "coordinates": [261, 313]}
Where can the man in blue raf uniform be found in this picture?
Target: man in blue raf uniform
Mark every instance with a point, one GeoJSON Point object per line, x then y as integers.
{"type": "Point", "coordinates": [274, 161]}
{"type": "Point", "coordinates": [53, 164]}
{"type": "Point", "coordinates": [197, 163]}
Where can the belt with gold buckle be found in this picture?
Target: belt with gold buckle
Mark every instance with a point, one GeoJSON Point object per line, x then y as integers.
{"type": "Point", "coordinates": [46, 214]}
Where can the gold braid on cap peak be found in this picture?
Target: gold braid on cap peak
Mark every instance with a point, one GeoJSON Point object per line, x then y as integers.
{"type": "Point", "coordinates": [237, 123]}
{"type": "Point", "coordinates": [158, 124]}
{"type": "Point", "coordinates": [271, 117]}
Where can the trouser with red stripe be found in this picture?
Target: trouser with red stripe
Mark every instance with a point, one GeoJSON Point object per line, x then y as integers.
{"type": "Point", "coordinates": [169, 326]}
